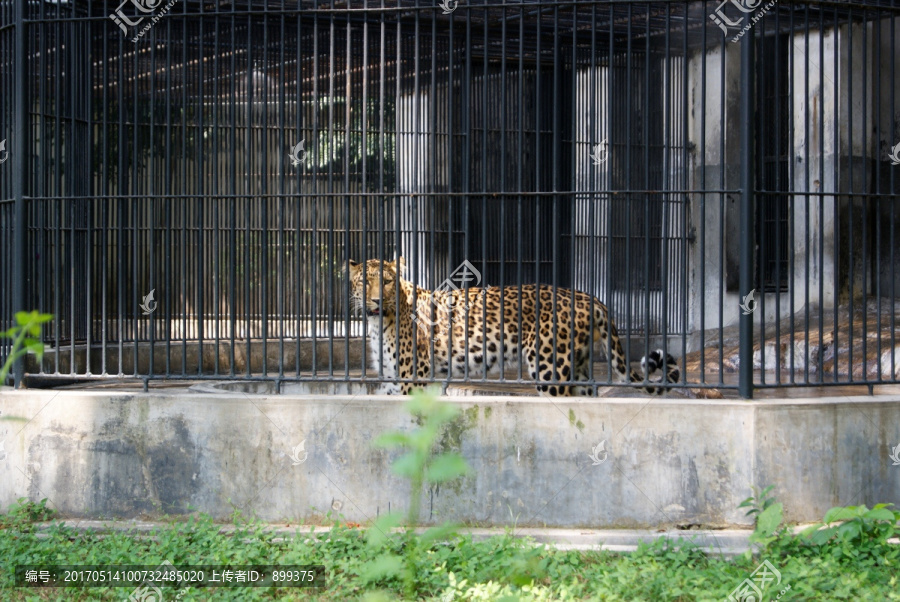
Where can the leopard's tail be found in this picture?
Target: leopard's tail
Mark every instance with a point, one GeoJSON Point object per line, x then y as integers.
{"type": "Point", "coordinates": [651, 363]}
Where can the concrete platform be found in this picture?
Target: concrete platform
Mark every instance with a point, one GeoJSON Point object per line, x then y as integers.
{"type": "Point", "coordinates": [663, 463]}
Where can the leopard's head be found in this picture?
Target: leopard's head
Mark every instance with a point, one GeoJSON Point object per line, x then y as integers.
{"type": "Point", "coordinates": [380, 291]}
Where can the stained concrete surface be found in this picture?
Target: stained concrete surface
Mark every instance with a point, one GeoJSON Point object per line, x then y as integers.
{"type": "Point", "coordinates": [664, 463]}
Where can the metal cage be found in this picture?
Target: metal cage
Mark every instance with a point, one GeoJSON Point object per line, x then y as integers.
{"type": "Point", "coordinates": [723, 175]}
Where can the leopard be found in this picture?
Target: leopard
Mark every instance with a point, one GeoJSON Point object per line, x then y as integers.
{"type": "Point", "coordinates": [390, 326]}
{"type": "Point", "coordinates": [553, 343]}
{"type": "Point", "coordinates": [467, 331]}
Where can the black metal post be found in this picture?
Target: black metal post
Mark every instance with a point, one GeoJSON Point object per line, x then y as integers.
{"type": "Point", "coordinates": [19, 148]}
{"type": "Point", "coordinates": [745, 378]}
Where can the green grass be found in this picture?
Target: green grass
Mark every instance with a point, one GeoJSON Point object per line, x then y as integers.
{"type": "Point", "coordinates": [860, 565]}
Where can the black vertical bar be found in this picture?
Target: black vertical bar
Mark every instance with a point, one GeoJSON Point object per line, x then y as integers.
{"type": "Point", "coordinates": [667, 184]}
{"type": "Point", "coordinates": [20, 171]}
{"type": "Point", "coordinates": [200, 260]}
{"type": "Point", "coordinates": [876, 256]}
{"type": "Point", "coordinates": [537, 201]}
{"type": "Point", "coordinates": [821, 151]}
{"type": "Point", "coordinates": [745, 378]}
{"type": "Point", "coordinates": [519, 182]}
{"type": "Point", "coordinates": [217, 294]}
{"type": "Point", "coordinates": [348, 133]}
{"type": "Point", "coordinates": [152, 195]}
{"type": "Point", "coordinates": [313, 203]}
{"type": "Point", "coordinates": [592, 184]}
{"type": "Point", "coordinates": [806, 53]}
{"type": "Point", "coordinates": [169, 275]}
{"type": "Point", "coordinates": [485, 121]}
{"type": "Point", "coordinates": [703, 193]}
{"type": "Point", "coordinates": [864, 197]}
{"type": "Point", "coordinates": [264, 198]}
{"type": "Point", "coordinates": [629, 181]}
{"type": "Point", "coordinates": [645, 135]}
{"type": "Point", "coordinates": [282, 197]}
{"type": "Point", "coordinates": [232, 235]}
{"type": "Point", "coordinates": [104, 219]}
{"type": "Point", "coordinates": [775, 214]}
{"type": "Point", "coordinates": [836, 179]}
{"type": "Point", "coordinates": [502, 250]}
{"type": "Point", "coordinates": [554, 183]}
{"type": "Point", "coordinates": [893, 219]}
{"type": "Point", "coordinates": [606, 93]}
{"type": "Point", "coordinates": [852, 201]}
{"type": "Point", "coordinates": [331, 159]}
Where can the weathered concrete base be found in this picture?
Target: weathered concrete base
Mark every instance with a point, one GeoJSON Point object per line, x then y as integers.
{"type": "Point", "coordinates": [666, 462]}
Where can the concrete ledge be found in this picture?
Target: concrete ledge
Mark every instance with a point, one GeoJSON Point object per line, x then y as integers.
{"type": "Point", "coordinates": [724, 542]}
{"type": "Point", "coordinates": [665, 463]}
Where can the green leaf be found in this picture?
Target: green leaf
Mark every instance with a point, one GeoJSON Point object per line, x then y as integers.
{"type": "Point", "coordinates": [443, 412]}
{"type": "Point", "coordinates": [880, 514]}
{"type": "Point", "coordinates": [440, 532]}
{"type": "Point", "coordinates": [35, 347]}
{"type": "Point", "coordinates": [840, 513]}
{"type": "Point", "coordinates": [851, 529]}
{"type": "Point", "coordinates": [392, 439]}
{"type": "Point", "coordinates": [422, 439]}
{"type": "Point", "coordinates": [389, 565]}
{"type": "Point", "coordinates": [808, 532]}
{"type": "Point", "coordinates": [769, 519]}
{"type": "Point", "coordinates": [407, 465]}
{"type": "Point", "coordinates": [380, 531]}
{"type": "Point", "coordinates": [446, 467]}
{"type": "Point", "coordinates": [822, 536]}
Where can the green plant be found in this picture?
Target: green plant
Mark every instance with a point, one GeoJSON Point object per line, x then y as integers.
{"type": "Point", "coordinates": [769, 515]}
{"type": "Point", "coordinates": [457, 569]}
{"type": "Point", "coordinates": [26, 337]}
{"type": "Point", "coordinates": [855, 524]}
{"type": "Point", "coordinates": [24, 511]}
{"type": "Point", "coordinates": [420, 465]}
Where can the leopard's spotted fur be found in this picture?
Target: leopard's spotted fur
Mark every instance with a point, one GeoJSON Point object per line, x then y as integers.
{"type": "Point", "coordinates": [487, 337]}
{"type": "Point", "coordinates": [391, 338]}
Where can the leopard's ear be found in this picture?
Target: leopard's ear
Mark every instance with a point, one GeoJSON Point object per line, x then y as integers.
{"type": "Point", "coordinates": [351, 267]}
{"type": "Point", "coordinates": [401, 262]}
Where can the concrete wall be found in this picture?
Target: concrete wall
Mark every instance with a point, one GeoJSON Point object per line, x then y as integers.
{"type": "Point", "coordinates": [667, 461]}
